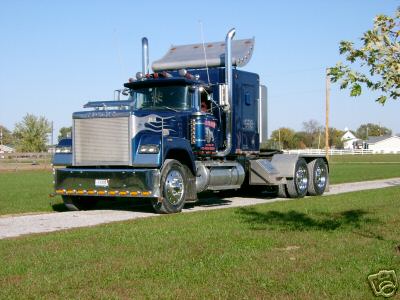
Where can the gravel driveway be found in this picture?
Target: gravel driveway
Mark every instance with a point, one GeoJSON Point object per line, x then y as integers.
{"type": "Point", "coordinates": [13, 226]}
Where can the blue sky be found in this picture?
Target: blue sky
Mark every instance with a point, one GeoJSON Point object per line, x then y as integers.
{"type": "Point", "coordinates": [57, 55]}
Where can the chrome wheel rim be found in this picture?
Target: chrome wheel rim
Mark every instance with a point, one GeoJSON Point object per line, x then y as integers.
{"type": "Point", "coordinates": [302, 178]}
{"type": "Point", "coordinates": [320, 177]}
{"type": "Point", "coordinates": [174, 187]}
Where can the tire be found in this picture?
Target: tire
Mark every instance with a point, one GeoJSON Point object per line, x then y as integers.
{"type": "Point", "coordinates": [75, 203]}
{"type": "Point", "coordinates": [319, 177]}
{"type": "Point", "coordinates": [282, 191]}
{"type": "Point", "coordinates": [298, 186]}
{"type": "Point", "coordinates": [173, 188]}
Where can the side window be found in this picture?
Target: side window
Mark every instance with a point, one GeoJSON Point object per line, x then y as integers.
{"type": "Point", "coordinates": [205, 102]}
{"type": "Point", "coordinates": [139, 99]}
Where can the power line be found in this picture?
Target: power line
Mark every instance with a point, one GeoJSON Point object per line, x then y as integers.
{"type": "Point", "coordinates": [297, 93]}
{"type": "Point", "coordinates": [295, 71]}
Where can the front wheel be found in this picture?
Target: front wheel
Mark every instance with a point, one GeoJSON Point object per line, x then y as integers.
{"type": "Point", "coordinates": [174, 188]}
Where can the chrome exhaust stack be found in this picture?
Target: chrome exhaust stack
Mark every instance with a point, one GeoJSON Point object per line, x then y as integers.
{"type": "Point", "coordinates": [145, 56]}
{"type": "Point", "coordinates": [229, 92]}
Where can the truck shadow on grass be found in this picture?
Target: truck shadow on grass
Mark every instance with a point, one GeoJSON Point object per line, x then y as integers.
{"type": "Point", "coordinates": [137, 205]}
{"type": "Point", "coordinates": [143, 205]}
{"type": "Point", "coordinates": [355, 220]}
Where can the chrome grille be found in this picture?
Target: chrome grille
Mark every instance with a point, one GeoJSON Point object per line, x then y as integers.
{"type": "Point", "coordinates": [101, 141]}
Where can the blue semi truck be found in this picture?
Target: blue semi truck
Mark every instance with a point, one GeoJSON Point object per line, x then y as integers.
{"type": "Point", "coordinates": [194, 124]}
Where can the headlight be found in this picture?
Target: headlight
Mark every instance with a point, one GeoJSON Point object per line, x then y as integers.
{"type": "Point", "coordinates": [149, 149]}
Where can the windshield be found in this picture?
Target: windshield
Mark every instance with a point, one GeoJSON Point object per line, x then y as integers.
{"type": "Point", "coordinates": [176, 97]}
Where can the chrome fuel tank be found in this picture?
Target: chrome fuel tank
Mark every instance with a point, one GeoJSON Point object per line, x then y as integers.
{"type": "Point", "coordinates": [218, 175]}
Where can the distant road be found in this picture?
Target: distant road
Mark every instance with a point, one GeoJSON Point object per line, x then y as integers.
{"type": "Point", "coordinates": [13, 226]}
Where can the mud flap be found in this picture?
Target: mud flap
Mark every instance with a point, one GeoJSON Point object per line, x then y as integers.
{"type": "Point", "coordinates": [192, 193]}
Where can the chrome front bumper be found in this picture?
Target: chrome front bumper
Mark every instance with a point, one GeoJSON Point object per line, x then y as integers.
{"type": "Point", "coordinates": [108, 182]}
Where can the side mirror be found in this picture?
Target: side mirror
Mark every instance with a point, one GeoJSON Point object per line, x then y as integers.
{"type": "Point", "coordinates": [125, 92]}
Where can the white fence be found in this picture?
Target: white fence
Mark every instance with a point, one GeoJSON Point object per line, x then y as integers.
{"type": "Point", "coordinates": [25, 161]}
{"type": "Point", "coordinates": [26, 156]}
{"type": "Point", "coordinates": [339, 152]}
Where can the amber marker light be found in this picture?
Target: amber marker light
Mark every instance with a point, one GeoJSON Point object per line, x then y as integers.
{"type": "Point", "coordinates": [102, 192]}
{"type": "Point", "coordinates": [146, 193]}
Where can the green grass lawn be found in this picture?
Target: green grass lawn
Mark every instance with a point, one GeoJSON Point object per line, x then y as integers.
{"type": "Point", "coordinates": [366, 158]}
{"type": "Point", "coordinates": [314, 248]}
{"type": "Point", "coordinates": [352, 168]}
{"type": "Point", "coordinates": [26, 191]}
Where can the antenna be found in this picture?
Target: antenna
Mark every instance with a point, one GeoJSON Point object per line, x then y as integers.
{"type": "Point", "coordinates": [118, 48]}
{"type": "Point", "coordinates": [204, 49]}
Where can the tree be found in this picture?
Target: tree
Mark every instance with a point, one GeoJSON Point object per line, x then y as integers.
{"type": "Point", "coordinates": [335, 138]}
{"type": "Point", "coordinates": [379, 55]}
{"type": "Point", "coordinates": [300, 138]}
{"type": "Point", "coordinates": [312, 134]}
{"type": "Point", "coordinates": [5, 136]}
{"type": "Point", "coordinates": [284, 138]}
{"type": "Point", "coordinates": [366, 130]}
{"type": "Point", "coordinates": [31, 133]}
{"type": "Point", "coordinates": [65, 132]}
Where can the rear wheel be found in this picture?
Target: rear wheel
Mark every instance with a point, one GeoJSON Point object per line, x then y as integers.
{"type": "Point", "coordinates": [174, 188]}
{"type": "Point", "coordinates": [298, 186]}
{"type": "Point", "coordinates": [318, 171]}
{"type": "Point", "coordinates": [75, 203]}
{"type": "Point", "coordinates": [282, 191]}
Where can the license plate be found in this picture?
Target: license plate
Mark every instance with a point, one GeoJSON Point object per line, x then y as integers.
{"type": "Point", "coordinates": [101, 182]}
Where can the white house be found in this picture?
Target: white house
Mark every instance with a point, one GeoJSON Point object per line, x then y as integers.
{"type": "Point", "coordinates": [349, 139]}
{"type": "Point", "coordinates": [383, 144]}
{"type": "Point", "coordinates": [6, 149]}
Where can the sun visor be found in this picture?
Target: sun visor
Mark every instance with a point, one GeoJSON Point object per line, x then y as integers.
{"type": "Point", "coordinates": [192, 56]}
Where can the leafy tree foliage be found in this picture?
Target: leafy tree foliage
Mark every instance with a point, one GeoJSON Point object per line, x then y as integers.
{"type": "Point", "coordinates": [312, 133]}
{"type": "Point", "coordinates": [334, 138]}
{"type": "Point", "coordinates": [31, 133]}
{"type": "Point", "coordinates": [7, 138]}
{"type": "Point", "coordinates": [379, 56]}
{"type": "Point", "coordinates": [65, 132]}
{"type": "Point", "coordinates": [313, 136]}
{"type": "Point", "coordinates": [284, 138]}
{"type": "Point", "coordinates": [301, 138]}
{"type": "Point", "coordinates": [366, 130]}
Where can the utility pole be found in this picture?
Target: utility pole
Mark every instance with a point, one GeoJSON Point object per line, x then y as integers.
{"type": "Point", "coordinates": [319, 138]}
{"type": "Point", "coordinates": [279, 133]}
{"type": "Point", "coordinates": [328, 86]}
{"type": "Point", "coordinates": [52, 133]}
